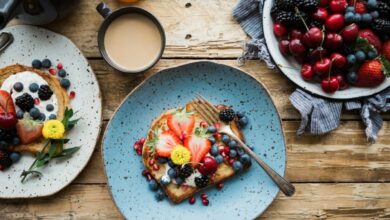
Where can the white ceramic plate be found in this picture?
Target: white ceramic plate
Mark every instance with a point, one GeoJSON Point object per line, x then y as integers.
{"type": "Point", "coordinates": [38, 43]}
{"type": "Point", "coordinates": [294, 74]}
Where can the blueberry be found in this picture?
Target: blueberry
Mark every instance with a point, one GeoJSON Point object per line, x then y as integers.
{"type": "Point", "coordinates": [232, 153]}
{"type": "Point", "coordinates": [349, 17]}
{"type": "Point", "coordinates": [240, 151]}
{"type": "Point", "coordinates": [360, 56]}
{"type": "Point", "coordinates": [351, 59]}
{"type": "Point", "coordinates": [153, 185]}
{"type": "Point", "coordinates": [171, 164]}
{"type": "Point", "coordinates": [15, 141]}
{"type": "Point", "coordinates": [237, 166]}
{"type": "Point", "coordinates": [232, 144]}
{"type": "Point", "coordinates": [214, 151]}
{"type": "Point", "coordinates": [225, 139]}
{"type": "Point", "coordinates": [18, 86]}
{"type": "Point", "coordinates": [372, 4]}
{"type": "Point", "coordinates": [46, 63]}
{"type": "Point", "coordinates": [219, 159]}
{"type": "Point", "coordinates": [162, 160]}
{"type": "Point", "coordinates": [15, 157]}
{"type": "Point", "coordinates": [352, 77]}
{"type": "Point", "coordinates": [245, 158]}
{"type": "Point", "coordinates": [212, 139]}
{"type": "Point", "coordinates": [165, 180]}
{"type": "Point", "coordinates": [240, 114]}
{"type": "Point", "coordinates": [350, 9]}
{"type": "Point", "coordinates": [172, 173]}
{"type": "Point", "coordinates": [52, 117]}
{"type": "Point", "coordinates": [179, 180]}
{"type": "Point", "coordinates": [374, 14]}
{"type": "Point", "coordinates": [159, 195]}
{"type": "Point", "coordinates": [372, 54]}
{"type": "Point", "coordinates": [65, 83]}
{"type": "Point", "coordinates": [4, 145]}
{"type": "Point", "coordinates": [34, 87]}
{"type": "Point", "coordinates": [243, 121]}
{"type": "Point", "coordinates": [357, 18]}
{"type": "Point", "coordinates": [366, 18]}
{"type": "Point", "coordinates": [20, 114]}
{"type": "Point", "coordinates": [62, 73]}
{"type": "Point", "coordinates": [42, 117]}
{"type": "Point", "coordinates": [37, 64]}
{"type": "Point", "coordinates": [35, 113]}
{"type": "Point", "coordinates": [49, 107]}
{"type": "Point", "coordinates": [211, 129]}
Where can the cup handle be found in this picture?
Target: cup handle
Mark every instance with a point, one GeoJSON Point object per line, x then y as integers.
{"type": "Point", "coordinates": [103, 9]}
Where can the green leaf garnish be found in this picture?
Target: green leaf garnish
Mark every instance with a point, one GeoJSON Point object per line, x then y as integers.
{"type": "Point", "coordinates": [364, 45]}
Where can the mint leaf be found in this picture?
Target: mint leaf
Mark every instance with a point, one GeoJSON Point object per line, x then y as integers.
{"type": "Point", "coordinates": [364, 44]}
{"type": "Point", "coordinates": [385, 66]}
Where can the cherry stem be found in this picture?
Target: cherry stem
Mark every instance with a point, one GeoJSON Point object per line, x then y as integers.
{"type": "Point", "coordinates": [300, 16]}
{"type": "Point", "coordinates": [330, 68]}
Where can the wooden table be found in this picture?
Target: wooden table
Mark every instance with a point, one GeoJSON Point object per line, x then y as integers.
{"type": "Point", "coordinates": [337, 176]}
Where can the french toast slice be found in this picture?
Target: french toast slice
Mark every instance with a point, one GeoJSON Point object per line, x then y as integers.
{"type": "Point", "coordinates": [59, 92]}
{"type": "Point", "coordinates": [178, 193]}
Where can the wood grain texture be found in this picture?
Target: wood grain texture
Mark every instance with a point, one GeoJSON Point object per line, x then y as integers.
{"type": "Point", "coordinates": [311, 201]}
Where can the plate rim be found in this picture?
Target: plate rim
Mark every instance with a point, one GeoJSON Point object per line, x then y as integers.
{"type": "Point", "coordinates": [178, 66]}
{"type": "Point", "coordinates": [43, 195]}
{"type": "Point", "coordinates": [318, 94]}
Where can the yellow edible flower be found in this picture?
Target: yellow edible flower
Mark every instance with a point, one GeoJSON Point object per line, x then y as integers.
{"type": "Point", "coordinates": [53, 129]}
{"type": "Point", "coordinates": [180, 155]}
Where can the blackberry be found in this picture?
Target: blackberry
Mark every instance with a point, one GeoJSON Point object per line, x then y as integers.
{"type": "Point", "coordinates": [315, 23]}
{"type": "Point", "coordinates": [275, 10]}
{"type": "Point", "coordinates": [227, 115]}
{"type": "Point", "coordinates": [381, 27]}
{"type": "Point", "coordinates": [292, 19]}
{"type": "Point", "coordinates": [286, 4]}
{"type": "Point", "coordinates": [383, 9]}
{"type": "Point", "coordinates": [45, 92]}
{"type": "Point", "coordinates": [307, 5]}
{"type": "Point", "coordinates": [7, 135]}
{"type": "Point", "coordinates": [25, 102]}
{"type": "Point", "coordinates": [5, 160]}
{"type": "Point", "coordinates": [186, 171]}
{"type": "Point", "coordinates": [201, 182]}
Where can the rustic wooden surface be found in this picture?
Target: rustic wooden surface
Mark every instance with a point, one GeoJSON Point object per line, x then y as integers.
{"type": "Point", "coordinates": [337, 176]}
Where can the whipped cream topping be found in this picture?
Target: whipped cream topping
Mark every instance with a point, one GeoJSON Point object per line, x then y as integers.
{"type": "Point", "coordinates": [27, 78]}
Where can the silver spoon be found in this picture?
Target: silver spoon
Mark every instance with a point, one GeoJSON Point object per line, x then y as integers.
{"type": "Point", "coordinates": [5, 40]}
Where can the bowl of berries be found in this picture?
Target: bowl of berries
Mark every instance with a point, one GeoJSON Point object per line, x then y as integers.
{"type": "Point", "coordinates": [337, 49]}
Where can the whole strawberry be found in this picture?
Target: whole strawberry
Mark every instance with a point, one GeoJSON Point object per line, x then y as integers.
{"type": "Point", "coordinates": [386, 50]}
{"type": "Point", "coordinates": [370, 74]}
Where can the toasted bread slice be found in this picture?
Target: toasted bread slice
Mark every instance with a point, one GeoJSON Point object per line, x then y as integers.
{"type": "Point", "coordinates": [59, 92]}
{"type": "Point", "coordinates": [175, 192]}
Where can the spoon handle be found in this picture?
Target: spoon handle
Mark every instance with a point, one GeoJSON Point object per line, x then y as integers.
{"type": "Point", "coordinates": [5, 40]}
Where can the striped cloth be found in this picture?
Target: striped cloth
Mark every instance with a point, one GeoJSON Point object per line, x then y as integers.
{"type": "Point", "coordinates": [319, 115]}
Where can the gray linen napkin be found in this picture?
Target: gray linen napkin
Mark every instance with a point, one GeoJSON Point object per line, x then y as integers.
{"type": "Point", "coordinates": [319, 115]}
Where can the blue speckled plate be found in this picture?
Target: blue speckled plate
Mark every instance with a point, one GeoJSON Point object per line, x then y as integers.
{"type": "Point", "coordinates": [246, 195]}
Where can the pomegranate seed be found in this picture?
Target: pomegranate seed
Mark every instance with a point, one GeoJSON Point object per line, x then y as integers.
{"type": "Point", "coordinates": [136, 146]}
{"type": "Point", "coordinates": [219, 186]}
{"type": "Point", "coordinates": [145, 172]}
{"type": "Point", "coordinates": [203, 124]}
{"type": "Point", "coordinates": [37, 101]}
{"type": "Point", "coordinates": [205, 202]}
{"type": "Point", "coordinates": [231, 161]}
{"type": "Point", "coordinates": [52, 71]}
{"type": "Point", "coordinates": [156, 167]}
{"type": "Point", "coordinates": [142, 141]}
{"type": "Point", "coordinates": [217, 136]}
{"type": "Point", "coordinates": [60, 66]}
{"type": "Point", "coordinates": [72, 95]}
{"type": "Point", "coordinates": [148, 177]}
{"type": "Point", "coordinates": [152, 162]}
{"type": "Point", "coordinates": [192, 200]}
{"type": "Point", "coordinates": [203, 196]}
{"type": "Point", "coordinates": [217, 125]}
{"type": "Point", "coordinates": [139, 151]}
{"type": "Point", "coordinates": [223, 154]}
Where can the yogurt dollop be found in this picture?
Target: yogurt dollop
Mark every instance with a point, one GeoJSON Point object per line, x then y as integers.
{"type": "Point", "coordinates": [27, 78]}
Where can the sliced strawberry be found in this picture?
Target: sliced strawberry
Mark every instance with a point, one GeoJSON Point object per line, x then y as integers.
{"type": "Point", "coordinates": [181, 123]}
{"type": "Point", "coordinates": [29, 130]}
{"type": "Point", "coordinates": [165, 142]}
{"type": "Point", "coordinates": [372, 38]}
{"type": "Point", "coordinates": [198, 144]}
{"type": "Point", "coordinates": [6, 102]}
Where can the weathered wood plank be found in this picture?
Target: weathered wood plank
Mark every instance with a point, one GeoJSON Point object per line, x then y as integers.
{"type": "Point", "coordinates": [205, 29]}
{"type": "Point", "coordinates": [311, 201]}
{"type": "Point", "coordinates": [342, 156]}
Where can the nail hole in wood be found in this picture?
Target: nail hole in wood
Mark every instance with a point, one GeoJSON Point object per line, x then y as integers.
{"type": "Point", "coordinates": [188, 5]}
{"type": "Point", "coordinates": [188, 36]}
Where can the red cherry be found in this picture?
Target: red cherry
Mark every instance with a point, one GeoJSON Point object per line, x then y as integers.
{"type": "Point", "coordinates": [342, 81]}
{"type": "Point", "coordinates": [301, 59]}
{"type": "Point", "coordinates": [324, 3]}
{"type": "Point", "coordinates": [338, 60]}
{"type": "Point", "coordinates": [317, 53]}
{"type": "Point", "coordinates": [350, 33]}
{"type": "Point", "coordinates": [313, 37]}
{"type": "Point", "coordinates": [333, 40]}
{"type": "Point", "coordinates": [307, 72]}
{"type": "Point", "coordinates": [202, 169]}
{"type": "Point", "coordinates": [323, 66]}
{"type": "Point", "coordinates": [279, 30]}
{"type": "Point", "coordinates": [338, 6]}
{"type": "Point", "coordinates": [210, 165]}
{"type": "Point", "coordinates": [335, 22]}
{"type": "Point", "coordinates": [360, 8]}
{"type": "Point", "coordinates": [8, 120]}
{"type": "Point", "coordinates": [297, 48]}
{"type": "Point", "coordinates": [330, 85]}
{"type": "Point", "coordinates": [284, 47]}
{"type": "Point", "coordinates": [320, 15]}
{"type": "Point", "coordinates": [296, 34]}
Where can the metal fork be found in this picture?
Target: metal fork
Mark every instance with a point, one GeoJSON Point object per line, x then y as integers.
{"type": "Point", "coordinates": [211, 114]}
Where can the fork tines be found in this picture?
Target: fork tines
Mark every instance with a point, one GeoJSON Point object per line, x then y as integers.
{"type": "Point", "coordinates": [205, 109]}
